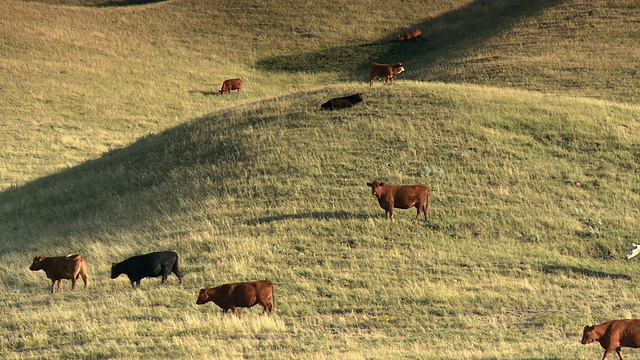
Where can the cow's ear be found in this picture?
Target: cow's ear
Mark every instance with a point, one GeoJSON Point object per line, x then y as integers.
{"type": "Point", "coordinates": [381, 184]}
{"type": "Point", "coordinates": [369, 184]}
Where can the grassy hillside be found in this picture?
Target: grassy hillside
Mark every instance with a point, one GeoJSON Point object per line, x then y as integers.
{"type": "Point", "coordinates": [276, 189]}
{"type": "Point", "coordinates": [118, 144]}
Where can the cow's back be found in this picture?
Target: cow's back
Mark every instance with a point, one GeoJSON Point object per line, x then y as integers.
{"type": "Point", "coordinates": [147, 265]}
{"type": "Point", "coordinates": [627, 331]}
{"type": "Point", "coordinates": [380, 69]}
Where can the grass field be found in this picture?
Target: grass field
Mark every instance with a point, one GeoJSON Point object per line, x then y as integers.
{"type": "Point", "coordinates": [117, 143]}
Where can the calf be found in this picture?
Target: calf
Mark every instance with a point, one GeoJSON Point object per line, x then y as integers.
{"type": "Point", "coordinates": [613, 335]}
{"type": "Point", "coordinates": [244, 294]}
{"type": "Point", "coordinates": [390, 71]}
{"type": "Point", "coordinates": [231, 84]}
{"type": "Point", "coordinates": [342, 102]}
{"type": "Point", "coordinates": [401, 197]}
{"type": "Point", "coordinates": [155, 264]}
{"type": "Point", "coordinates": [62, 267]}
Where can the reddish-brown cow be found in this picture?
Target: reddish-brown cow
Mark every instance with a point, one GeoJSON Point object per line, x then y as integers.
{"type": "Point", "coordinates": [414, 35]}
{"type": "Point", "coordinates": [231, 84]}
{"type": "Point", "coordinates": [401, 197]}
{"type": "Point", "coordinates": [390, 71]}
{"type": "Point", "coordinates": [614, 335]}
{"type": "Point", "coordinates": [62, 267]}
{"type": "Point", "coordinates": [244, 294]}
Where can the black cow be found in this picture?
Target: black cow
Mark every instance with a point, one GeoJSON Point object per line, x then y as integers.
{"type": "Point", "coordinates": [342, 102]}
{"type": "Point", "coordinates": [155, 264]}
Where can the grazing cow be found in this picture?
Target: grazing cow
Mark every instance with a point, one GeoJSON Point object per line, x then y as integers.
{"type": "Point", "coordinates": [613, 335]}
{"type": "Point", "coordinates": [633, 251]}
{"type": "Point", "coordinates": [390, 71]}
{"type": "Point", "coordinates": [414, 35]}
{"type": "Point", "coordinates": [244, 294]}
{"type": "Point", "coordinates": [62, 267]}
{"type": "Point", "coordinates": [155, 264]}
{"type": "Point", "coordinates": [231, 84]}
{"type": "Point", "coordinates": [342, 102]}
{"type": "Point", "coordinates": [401, 197]}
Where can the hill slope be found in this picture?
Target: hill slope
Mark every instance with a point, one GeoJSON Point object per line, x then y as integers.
{"type": "Point", "coordinates": [81, 81]}
{"type": "Point", "coordinates": [116, 146]}
{"type": "Point", "coordinates": [276, 189]}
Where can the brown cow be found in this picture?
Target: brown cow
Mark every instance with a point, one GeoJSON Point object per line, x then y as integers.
{"type": "Point", "coordinates": [414, 35]}
{"type": "Point", "coordinates": [231, 84]}
{"type": "Point", "coordinates": [244, 294]}
{"type": "Point", "coordinates": [613, 335]}
{"type": "Point", "coordinates": [401, 197]}
{"type": "Point", "coordinates": [390, 71]}
{"type": "Point", "coordinates": [62, 267]}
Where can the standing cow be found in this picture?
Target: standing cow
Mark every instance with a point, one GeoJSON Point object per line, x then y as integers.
{"type": "Point", "coordinates": [155, 264]}
{"type": "Point", "coordinates": [613, 335]}
{"type": "Point", "coordinates": [401, 197]}
{"type": "Point", "coordinates": [62, 267]}
{"type": "Point", "coordinates": [389, 71]}
{"type": "Point", "coordinates": [244, 294]}
{"type": "Point", "coordinates": [231, 84]}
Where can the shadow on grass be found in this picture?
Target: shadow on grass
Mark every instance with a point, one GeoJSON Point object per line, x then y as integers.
{"type": "Point", "coordinates": [115, 3]}
{"type": "Point", "coordinates": [316, 215]}
{"type": "Point", "coordinates": [204, 92]}
{"type": "Point", "coordinates": [124, 187]}
{"type": "Point", "coordinates": [555, 269]}
{"type": "Point", "coordinates": [447, 37]}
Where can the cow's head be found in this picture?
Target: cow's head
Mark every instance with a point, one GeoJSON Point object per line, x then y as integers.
{"type": "Point", "coordinates": [589, 335]}
{"type": "Point", "coordinates": [633, 251]}
{"type": "Point", "coordinates": [115, 271]}
{"type": "Point", "coordinates": [397, 69]}
{"type": "Point", "coordinates": [376, 188]}
{"type": "Point", "coordinates": [37, 263]}
{"type": "Point", "coordinates": [203, 297]}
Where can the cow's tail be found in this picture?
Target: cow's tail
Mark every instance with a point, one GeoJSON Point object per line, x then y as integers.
{"type": "Point", "coordinates": [273, 297]}
{"type": "Point", "coordinates": [176, 270]}
{"type": "Point", "coordinates": [426, 205]}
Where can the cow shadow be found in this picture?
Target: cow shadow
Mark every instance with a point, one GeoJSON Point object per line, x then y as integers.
{"type": "Point", "coordinates": [446, 37]}
{"type": "Point", "coordinates": [315, 215]}
{"type": "Point", "coordinates": [555, 269]}
{"type": "Point", "coordinates": [204, 92]}
{"type": "Point", "coordinates": [122, 3]}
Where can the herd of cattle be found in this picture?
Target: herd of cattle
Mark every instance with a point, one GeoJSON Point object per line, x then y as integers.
{"type": "Point", "coordinates": [161, 263]}
{"type": "Point", "coordinates": [612, 335]}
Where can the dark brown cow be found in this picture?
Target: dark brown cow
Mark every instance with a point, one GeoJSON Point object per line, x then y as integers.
{"type": "Point", "coordinates": [414, 35]}
{"type": "Point", "coordinates": [62, 267]}
{"type": "Point", "coordinates": [390, 71]}
{"type": "Point", "coordinates": [244, 294]}
{"type": "Point", "coordinates": [401, 197]}
{"type": "Point", "coordinates": [231, 84]}
{"type": "Point", "coordinates": [613, 335]}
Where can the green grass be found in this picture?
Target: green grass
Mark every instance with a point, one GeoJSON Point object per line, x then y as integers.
{"type": "Point", "coordinates": [117, 144]}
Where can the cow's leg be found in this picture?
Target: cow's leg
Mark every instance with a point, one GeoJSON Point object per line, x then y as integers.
{"type": "Point", "coordinates": [607, 351]}
{"type": "Point", "coordinates": [373, 79]}
{"type": "Point", "coordinates": [85, 280]}
{"type": "Point", "coordinates": [73, 282]}
{"type": "Point", "coordinates": [53, 284]}
{"type": "Point", "coordinates": [59, 282]}
{"type": "Point", "coordinates": [619, 352]}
